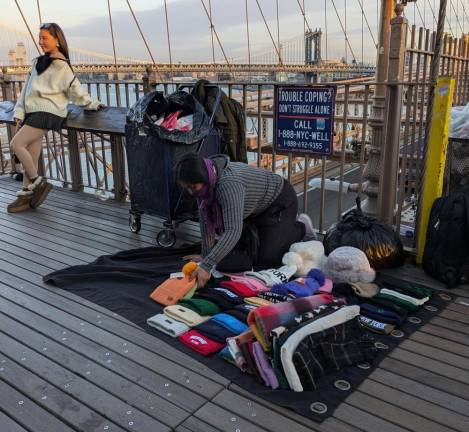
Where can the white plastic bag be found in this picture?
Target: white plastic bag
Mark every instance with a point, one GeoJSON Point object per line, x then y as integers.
{"type": "Point", "coordinates": [459, 123]}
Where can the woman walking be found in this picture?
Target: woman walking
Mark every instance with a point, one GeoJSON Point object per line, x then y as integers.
{"type": "Point", "coordinates": [42, 106]}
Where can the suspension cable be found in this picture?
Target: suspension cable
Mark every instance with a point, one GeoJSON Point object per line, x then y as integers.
{"type": "Point", "coordinates": [112, 34]}
{"type": "Point", "coordinates": [325, 27]}
{"type": "Point", "coordinates": [27, 26]}
{"type": "Point", "coordinates": [343, 30]}
{"type": "Point", "coordinates": [39, 12]}
{"type": "Point", "coordinates": [278, 34]}
{"type": "Point", "coordinates": [169, 42]}
{"type": "Point", "coordinates": [211, 30]}
{"type": "Point", "coordinates": [270, 34]}
{"type": "Point", "coordinates": [360, 2]}
{"type": "Point", "coordinates": [141, 33]}
{"type": "Point", "coordinates": [216, 34]}
{"type": "Point", "coordinates": [248, 39]}
{"type": "Point", "coordinates": [304, 15]}
{"type": "Point", "coordinates": [457, 16]}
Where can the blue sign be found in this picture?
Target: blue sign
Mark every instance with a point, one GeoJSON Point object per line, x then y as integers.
{"type": "Point", "coordinates": [304, 119]}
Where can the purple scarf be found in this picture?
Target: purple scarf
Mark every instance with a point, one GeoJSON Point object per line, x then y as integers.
{"type": "Point", "coordinates": [209, 207]}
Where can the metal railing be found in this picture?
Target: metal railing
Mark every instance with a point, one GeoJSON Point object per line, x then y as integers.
{"type": "Point", "coordinates": [96, 165]}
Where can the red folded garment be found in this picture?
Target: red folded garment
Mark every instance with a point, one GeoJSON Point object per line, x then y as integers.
{"type": "Point", "coordinates": [239, 288]}
{"type": "Point", "coordinates": [200, 343]}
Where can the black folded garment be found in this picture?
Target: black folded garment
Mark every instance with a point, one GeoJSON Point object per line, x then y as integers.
{"type": "Point", "coordinates": [241, 311]}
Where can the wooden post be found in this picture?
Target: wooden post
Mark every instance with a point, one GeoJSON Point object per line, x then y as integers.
{"type": "Point", "coordinates": [432, 185]}
{"type": "Point", "coordinates": [75, 161]}
{"type": "Point", "coordinates": [118, 167]}
{"type": "Point", "coordinates": [390, 155]}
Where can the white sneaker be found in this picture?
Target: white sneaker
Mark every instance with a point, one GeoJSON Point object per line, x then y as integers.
{"type": "Point", "coordinates": [309, 229]}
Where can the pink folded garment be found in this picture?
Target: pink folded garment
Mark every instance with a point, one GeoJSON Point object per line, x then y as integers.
{"type": "Point", "coordinates": [252, 283]}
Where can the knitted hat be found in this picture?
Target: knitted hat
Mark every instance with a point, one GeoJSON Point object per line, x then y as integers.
{"type": "Point", "coordinates": [200, 343]}
{"type": "Point", "coordinates": [380, 314]}
{"type": "Point", "coordinates": [301, 287]}
{"type": "Point", "coordinates": [231, 323]}
{"type": "Point", "coordinates": [184, 315]}
{"type": "Point", "coordinates": [375, 326]}
{"type": "Point", "coordinates": [256, 301]}
{"type": "Point", "coordinates": [363, 289]}
{"type": "Point", "coordinates": [191, 169]}
{"type": "Point", "coordinates": [222, 297]}
{"type": "Point", "coordinates": [167, 325]}
{"type": "Point", "coordinates": [252, 283]}
{"type": "Point", "coordinates": [238, 288]}
{"type": "Point", "coordinates": [348, 264]}
{"type": "Point", "coordinates": [271, 277]}
{"type": "Point", "coordinates": [215, 331]}
{"type": "Point", "coordinates": [201, 306]}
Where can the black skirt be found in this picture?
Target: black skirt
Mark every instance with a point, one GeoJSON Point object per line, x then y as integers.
{"type": "Point", "coordinates": [44, 120]}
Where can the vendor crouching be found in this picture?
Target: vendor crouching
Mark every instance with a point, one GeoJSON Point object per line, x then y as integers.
{"type": "Point", "coordinates": [248, 215]}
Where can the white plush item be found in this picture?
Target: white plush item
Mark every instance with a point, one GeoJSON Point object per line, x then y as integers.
{"type": "Point", "coordinates": [348, 264]}
{"type": "Point", "coordinates": [305, 256]}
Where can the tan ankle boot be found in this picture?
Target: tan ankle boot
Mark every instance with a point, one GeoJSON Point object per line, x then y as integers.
{"type": "Point", "coordinates": [40, 189]}
{"type": "Point", "coordinates": [22, 202]}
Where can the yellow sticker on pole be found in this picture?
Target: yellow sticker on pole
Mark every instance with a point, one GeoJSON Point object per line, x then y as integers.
{"type": "Point", "coordinates": [436, 156]}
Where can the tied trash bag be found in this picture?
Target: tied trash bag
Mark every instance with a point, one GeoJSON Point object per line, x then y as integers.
{"type": "Point", "coordinates": [147, 110]}
{"type": "Point", "coordinates": [381, 244]}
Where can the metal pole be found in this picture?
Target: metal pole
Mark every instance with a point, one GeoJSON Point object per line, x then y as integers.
{"type": "Point", "coordinates": [390, 155]}
{"type": "Point", "coordinates": [373, 171]}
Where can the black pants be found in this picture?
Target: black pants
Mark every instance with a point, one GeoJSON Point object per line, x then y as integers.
{"type": "Point", "coordinates": [268, 236]}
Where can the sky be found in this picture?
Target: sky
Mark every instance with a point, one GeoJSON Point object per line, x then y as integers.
{"type": "Point", "coordinates": [86, 25]}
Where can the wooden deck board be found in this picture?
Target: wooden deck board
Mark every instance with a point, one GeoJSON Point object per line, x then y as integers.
{"type": "Point", "coordinates": [422, 385]}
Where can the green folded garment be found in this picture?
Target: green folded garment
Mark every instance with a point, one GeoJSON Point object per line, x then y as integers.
{"type": "Point", "coordinates": [404, 303]}
{"type": "Point", "coordinates": [201, 306]}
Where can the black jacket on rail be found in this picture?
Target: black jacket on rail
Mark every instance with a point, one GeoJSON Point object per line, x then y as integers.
{"type": "Point", "coordinates": [229, 119]}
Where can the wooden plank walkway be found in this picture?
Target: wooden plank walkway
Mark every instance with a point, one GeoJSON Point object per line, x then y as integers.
{"type": "Point", "coordinates": [69, 365]}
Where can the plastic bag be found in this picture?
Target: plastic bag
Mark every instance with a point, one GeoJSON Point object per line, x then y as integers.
{"type": "Point", "coordinates": [381, 244]}
{"type": "Point", "coordinates": [145, 112]}
{"type": "Point", "coordinates": [459, 123]}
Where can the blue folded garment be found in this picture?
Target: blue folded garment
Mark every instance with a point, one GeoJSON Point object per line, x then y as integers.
{"type": "Point", "coordinates": [230, 323]}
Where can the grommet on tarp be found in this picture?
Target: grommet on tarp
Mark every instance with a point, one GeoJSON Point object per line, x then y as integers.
{"type": "Point", "coordinates": [363, 365]}
{"type": "Point", "coordinates": [414, 320]}
{"type": "Point", "coordinates": [318, 407]}
{"type": "Point", "coordinates": [342, 385]}
{"type": "Point", "coordinates": [430, 308]}
{"type": "Point", "coordinates": [381, 346]}
{"type": "Point", "coordinates": [397, 333]}
{"type": "Point", "coordinates": [445, 296]}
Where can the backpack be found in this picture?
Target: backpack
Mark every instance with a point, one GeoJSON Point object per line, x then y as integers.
{"type": "Point", "coordinates": [446, 253]}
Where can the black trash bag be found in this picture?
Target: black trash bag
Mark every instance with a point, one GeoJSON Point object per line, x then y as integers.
{"type": "Point", "coordinates": [381, 244]}
{"type": "Point", "coordinates": [156, 104]}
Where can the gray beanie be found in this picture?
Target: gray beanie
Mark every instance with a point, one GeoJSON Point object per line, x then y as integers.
{"type": "Point", "coordinates": [348, 264]}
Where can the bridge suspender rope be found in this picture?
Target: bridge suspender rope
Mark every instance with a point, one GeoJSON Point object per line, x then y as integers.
{"type": "Point", "coordinates": [248, 39]}
{"type": "Point", "coordinates": [216, 34]}
{"type": "Point", "coordinates": [325, 27]}
{"type": "Point", "coordinates": [344, 31]}
{"type": "Point", "coordinates": [141, 33]}
{"type": "Point", "coordinates": [112, 35]}
{"type": "Point", "coordinates": [169, 41]}
{"type": "Point", "coordinates": [278, 35]}
{"type": "Point", "coordinates": [360, 2]}
{"type": "Point", "coordinates": [27, 26]}
{"type": "Point", "coordinates": [39, 12]}
{"type": "Point", "coordinates": [270, 34]}
{"type": "Point", "coordinates": [211, 30]}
